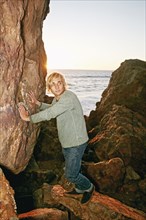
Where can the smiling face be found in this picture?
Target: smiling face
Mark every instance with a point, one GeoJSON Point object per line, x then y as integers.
{"type": "Point", "coordinates": [56, 84]}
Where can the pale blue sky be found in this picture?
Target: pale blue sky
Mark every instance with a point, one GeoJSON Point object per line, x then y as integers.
{"type": "Point", "coordinates": [86, 34]}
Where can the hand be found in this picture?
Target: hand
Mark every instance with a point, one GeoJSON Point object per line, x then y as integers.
{"type": "Point", "coordinates": [23, 112]}
{"type": "Point", "coordinates": [33, 99]}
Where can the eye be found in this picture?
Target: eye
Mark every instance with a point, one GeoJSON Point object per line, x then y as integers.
{"type": "Point", "coordinates": [59, 83]}
{"type": "Point", "coordinates": [52, 84]}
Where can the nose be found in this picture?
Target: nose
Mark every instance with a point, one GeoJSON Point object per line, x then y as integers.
{"type": "Point", "coordinates": [56, 86]}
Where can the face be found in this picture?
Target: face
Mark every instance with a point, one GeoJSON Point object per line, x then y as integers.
{"type": "Point", "coordinates": [57, 87]}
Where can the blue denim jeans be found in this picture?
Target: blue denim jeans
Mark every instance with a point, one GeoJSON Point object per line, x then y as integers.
{"type": "Point", "coordinates": [73, 157]}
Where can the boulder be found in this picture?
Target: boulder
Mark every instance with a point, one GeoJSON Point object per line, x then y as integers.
{"type": "Point", "coordinates": [127, 87]}
{"type": "Point", "coordinates": [23, 61]}
{"type": "Point", "coordinates": [122, 134]}
{"type": "Point", "coordinates": [8, 209]}
{"type": "Point", "coordinates": [99, 207]}
{"type": "Point", "coordinates": [107, 175]}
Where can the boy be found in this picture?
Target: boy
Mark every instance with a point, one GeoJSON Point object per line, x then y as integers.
{"type": "Point", "coordinates": [71, 126]}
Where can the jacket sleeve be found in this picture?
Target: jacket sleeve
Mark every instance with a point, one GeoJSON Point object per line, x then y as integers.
{"type": "Point", "coordinates": [44, 106]}
{"type": "Point", "coordinates": [64, 104]}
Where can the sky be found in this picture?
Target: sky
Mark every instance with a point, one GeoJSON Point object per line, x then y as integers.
{"type": "Point", "coordinates": [94, 35]}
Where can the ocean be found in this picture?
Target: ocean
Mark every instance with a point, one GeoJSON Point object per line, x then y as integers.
{"type": "Point", "coordinates": [88, 85]}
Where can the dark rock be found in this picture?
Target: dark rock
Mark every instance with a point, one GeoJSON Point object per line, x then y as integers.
{"type": "Point", "coordinates": [108, 175]}
{"type": "Point", "coordinates": [122, 134]}
{"type": "Point", "coordinates": [121, 121]}
{"type": "Point", "coordinates": [127, 87]}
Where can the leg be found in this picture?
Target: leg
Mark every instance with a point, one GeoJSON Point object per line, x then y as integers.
{"type": "Point", "coordinates": [73, 157]}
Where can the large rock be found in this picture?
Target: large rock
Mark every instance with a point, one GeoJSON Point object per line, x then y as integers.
{"type": "Point", "coordinates": [8, 209]}
{"type": "Point", "coordinates": [119, 130]}
{"type": "Point", "coordinates": [23, 69]}
{"type": "Point", "coordinates": [120, 118]}
{"type": "Point", "coordinates": [127, 87]}
{"type": "Point", "coordinates": [122, 134]}
{"type": "Point", "coordinates": [108, 175]}
{"type": "Point", "coordinates": [99, 207]}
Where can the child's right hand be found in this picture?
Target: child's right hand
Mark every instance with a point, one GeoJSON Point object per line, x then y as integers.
{"type": "Point", "coordinates": [24, 114]}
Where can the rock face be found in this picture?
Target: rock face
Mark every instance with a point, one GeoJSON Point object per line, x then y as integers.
{"type": "Point", "coordinates": [118, 130]}
{"type": "Point", "coordinates": [23, 69]}
{"type": "Point", "coordinates": [121, 117]}
{"type": "Point", "coordinates": [8, 209]}
{"type": "Point", "coordinates": [127, 87]}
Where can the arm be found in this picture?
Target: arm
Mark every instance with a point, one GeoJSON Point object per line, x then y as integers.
{"type": "Point", "coordinates": [44, 106]}
{"type": "Point", "coordinates": [64, 104]}
{"type": "Point", "coordinates": [24, 113]}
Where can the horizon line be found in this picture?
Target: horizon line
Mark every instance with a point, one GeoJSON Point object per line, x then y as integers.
{"type": "Point", "coordinates": [78, 69]}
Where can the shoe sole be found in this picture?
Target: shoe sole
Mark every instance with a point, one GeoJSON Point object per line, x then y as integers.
{"type": "Point", "coordinates": [73, 194]}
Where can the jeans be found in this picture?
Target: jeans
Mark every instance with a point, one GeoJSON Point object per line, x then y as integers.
{"type": "Point", "coordinates": [73, 157]}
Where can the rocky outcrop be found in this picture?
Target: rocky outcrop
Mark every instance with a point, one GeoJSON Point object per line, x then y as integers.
{"type": "Point", "coordinates": [8, 209]}
{"type": "Point", "coordinates": [100, 206]}
{"type": "Point", "coordinates": [23, 61]}
{"type": "Point", "coordinates": [118, 130]}
{"type": "Point", "coordinates": [122, 134]}
{"type": "Point", "coordinates": [127, 87]}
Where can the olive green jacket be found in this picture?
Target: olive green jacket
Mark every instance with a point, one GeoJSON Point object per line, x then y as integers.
{"type": "Point", "coordinates": [70, 119]}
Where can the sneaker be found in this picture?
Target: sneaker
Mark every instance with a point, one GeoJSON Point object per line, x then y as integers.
{"type": "Point", "coordinates": [87, 196]}
{"type": "Point", "coordinates": [73, 192]}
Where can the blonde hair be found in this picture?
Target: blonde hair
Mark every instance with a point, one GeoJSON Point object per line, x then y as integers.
{"type": "Point", "coordinates": [55, 75]}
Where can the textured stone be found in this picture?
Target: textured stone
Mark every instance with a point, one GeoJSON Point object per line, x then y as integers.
{"type": "Point", "coordinates": [122, 134]}
{"type": "Point", "coordinates": [118, 129]}
{"type": "Point", "coordinates": [127, 87]}
{"type": "Point", "coordinates": [23, 62]}
{"type": "Point", "coordinates": [8, 209]}
{"type": "Point", "coordinates": [99, 207]}
{"type": "Point", "coordinates": [44, 214]}
{"type": "Point", "coordinates": [108, 175]}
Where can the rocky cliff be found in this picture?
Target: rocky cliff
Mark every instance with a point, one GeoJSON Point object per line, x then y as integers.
{"type": "Point", "coordinates": [23, 69]}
